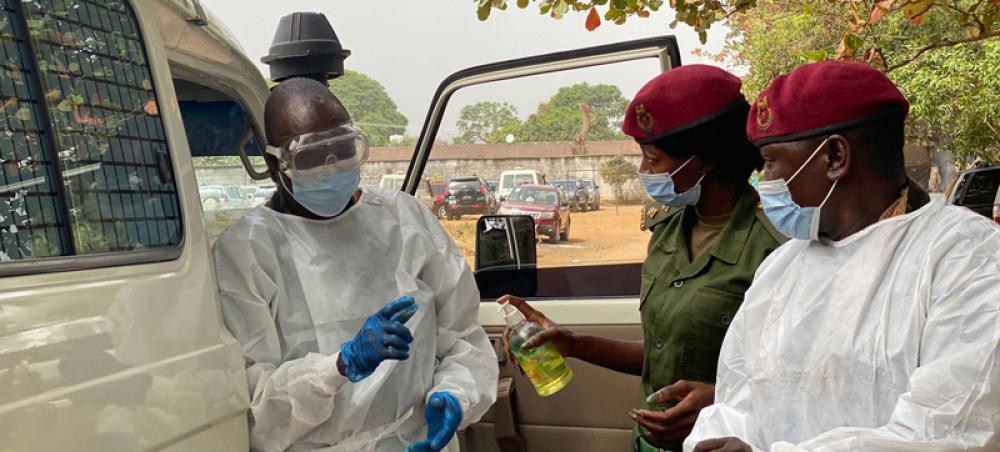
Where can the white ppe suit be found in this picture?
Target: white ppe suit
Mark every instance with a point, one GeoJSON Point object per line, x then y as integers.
{"type": "Point", "coordinates": [885, 340]}
{"type": "Point", "coordinates": [294, 289]}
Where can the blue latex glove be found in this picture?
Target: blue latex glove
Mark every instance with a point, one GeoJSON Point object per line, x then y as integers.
{"type": "Point", "coordinates": [443, 414]}
{"type": "Point", "coordinates": [382, 337]}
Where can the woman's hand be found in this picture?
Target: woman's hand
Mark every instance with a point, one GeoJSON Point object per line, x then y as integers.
{"type": "Point", "coordinates": [563, 338]}
{"type": "Point", "coordinates": [675, 424]}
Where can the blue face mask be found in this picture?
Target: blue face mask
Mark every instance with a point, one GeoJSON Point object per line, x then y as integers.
{"type": "Point", "coordinates": [661, 188]}
{"type": "Point", "coordinates": [328, 195]}
{"type": "Point", "coordinates": [791, 219]}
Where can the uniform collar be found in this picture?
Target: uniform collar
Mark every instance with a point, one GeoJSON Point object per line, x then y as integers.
{"type": "Point", "coordinates": [733, 239]}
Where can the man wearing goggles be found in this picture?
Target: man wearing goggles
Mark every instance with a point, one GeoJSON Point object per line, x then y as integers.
{"type": "Point", "coordinates": [324, 167]}
{"type": "Point", "coordinates": [306, 282]}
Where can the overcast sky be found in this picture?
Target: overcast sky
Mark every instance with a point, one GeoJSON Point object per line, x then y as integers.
{"type": "Point", "coordinates": [411, 46]}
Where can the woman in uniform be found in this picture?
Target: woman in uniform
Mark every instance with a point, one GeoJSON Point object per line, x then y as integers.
{"type": "Point", "coordinates": [709, 236]}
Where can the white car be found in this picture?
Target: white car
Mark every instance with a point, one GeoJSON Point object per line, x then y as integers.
{"type": "Point", "coordinates": [392, 181]}
{"type": "Point", "coordinates": [509, 180]}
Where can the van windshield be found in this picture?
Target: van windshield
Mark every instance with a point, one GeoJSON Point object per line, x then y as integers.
{"type": "Point", "coordinates": [513, 180]}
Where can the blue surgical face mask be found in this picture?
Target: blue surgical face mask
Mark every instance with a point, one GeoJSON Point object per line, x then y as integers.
{"type": "Point", "coordinates": [791, 219]}
{"type": "Point", "coordinates": [327, 196]}
{"type": "Point", "coordinates": [661, 188]}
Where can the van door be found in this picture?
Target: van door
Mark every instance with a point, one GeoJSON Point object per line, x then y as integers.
{"type": "Point", "coordinates": [111, 338]}
{"type": "Point", "coordinates": [588, 280]}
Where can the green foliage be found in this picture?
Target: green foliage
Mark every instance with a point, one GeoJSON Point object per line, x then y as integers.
{"type": "Point", "coordinates": [854, 23]}
{"type": "Point", "coordinates": [955, 99]}
{"type": "Point", "coordinates": [487, 122]}
{"type": "Point", "coordinates": [370, 106]}
{"type": "Point", "coordinates": [954, 89]}
{"type": "Point", "coordinates": [561, 117]}
{"type": "Point", "coordinates": [617, 172]}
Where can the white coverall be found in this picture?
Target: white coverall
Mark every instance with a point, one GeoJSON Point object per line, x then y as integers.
{"type": "Point", "coordinates": [294, 289]}
{"type": "Point", "coordinates": [886, 340]}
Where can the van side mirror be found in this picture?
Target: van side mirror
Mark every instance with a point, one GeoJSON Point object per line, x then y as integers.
{"type": "Point", "coordinates": [505, 241]}
{"type": "Point", "coordinates": [506, 256]}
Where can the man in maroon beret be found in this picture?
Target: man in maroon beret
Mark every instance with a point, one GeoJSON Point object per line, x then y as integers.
{"type": "Point", "coordinates": [878, 326]}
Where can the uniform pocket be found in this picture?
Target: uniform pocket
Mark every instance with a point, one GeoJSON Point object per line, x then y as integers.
{"type": "Point", "coordinates": [708, 317]}
{"type": "Point", "coordinates": [645, 288]}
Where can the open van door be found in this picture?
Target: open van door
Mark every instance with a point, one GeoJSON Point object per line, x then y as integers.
{"type": "Point", "coordinates": [596, 292]}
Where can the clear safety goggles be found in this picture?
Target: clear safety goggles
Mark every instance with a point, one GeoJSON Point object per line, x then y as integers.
{"type": "Point", "coordinates": [313, 155]}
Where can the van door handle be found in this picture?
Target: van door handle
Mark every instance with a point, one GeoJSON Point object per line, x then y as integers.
{"type": "Point", "coordinates": [504, 425]}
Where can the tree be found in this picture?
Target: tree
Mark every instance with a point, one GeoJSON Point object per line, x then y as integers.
{"type": "Point", "coordinates": [370, 106]}
{"type": "Point", "coordinates": [561, 117]}
{"type": "Point", "coordinates": [487, 122]}
{"type": "Point", "coordinates": [617, 172]}
{"type": "Point", "coordinates": [954, 91]}
{"type": "Point", "coordinates": [968, 20]}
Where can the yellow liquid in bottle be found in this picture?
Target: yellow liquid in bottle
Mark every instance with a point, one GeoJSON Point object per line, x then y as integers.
{"type": "Point", "coordinates": [543, 365]}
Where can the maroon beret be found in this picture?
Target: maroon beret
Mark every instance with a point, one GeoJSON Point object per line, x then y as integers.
{"type": "Point", "coordinates": [820, 98]}
{"type": "Point", "coordinates": [680, 99]}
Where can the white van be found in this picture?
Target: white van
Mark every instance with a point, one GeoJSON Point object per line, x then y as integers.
{"type": "Point", "coordinates": [112, 337]}
{"type": "Point", "coordinates": [392, 181]}
{"type": "Point", "coordinates": [509, 180]}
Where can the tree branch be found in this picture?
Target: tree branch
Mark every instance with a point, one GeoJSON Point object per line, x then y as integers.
{"type": "Point", "coordinates": [943, 44]}
{"type": "Point", "coordinates": [993, 129]}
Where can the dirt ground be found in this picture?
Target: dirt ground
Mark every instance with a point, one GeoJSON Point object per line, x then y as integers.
{"type": "Point", "coordinates": [595, 237]}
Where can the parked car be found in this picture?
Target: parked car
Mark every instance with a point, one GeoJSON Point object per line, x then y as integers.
{"type": "Point", "coordinates": [212, 196]}
{"type": "Point", "coordinates": [595, 193]}
{"type": "Point", "coordinates": [438, 189]}
{"type": "Point", "coordinates": [976, 189]}
{"type": "Point", "coordinates": [237, 197]}
{"type": "Point", "coordinates": [576, 192]}
{"type": "Point", "coordinates": [546, 205]}
{"type": "Point", "coordinates": [263, 195]}
{"type": "Point", "coordinates": [468, 196]}
{"type": "Point", "coordinates": [392, 181]}
{"type": "Point", "coordinates": [509, 180]}
{"type": "Point", "coordinates": [425, 194]}
{"type": "Point", "coordinates": [215, 197]}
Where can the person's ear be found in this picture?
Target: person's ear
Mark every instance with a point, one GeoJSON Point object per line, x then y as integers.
{"type": "Point", "coordinates": [838, 157]}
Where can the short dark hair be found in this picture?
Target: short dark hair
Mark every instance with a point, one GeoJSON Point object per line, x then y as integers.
{"type": "Point", "coordinates": [722, 141]}
{"type": "Point", "coordinates": [299, 89]}
{"type": "Point", "coordinates": [881, 141]}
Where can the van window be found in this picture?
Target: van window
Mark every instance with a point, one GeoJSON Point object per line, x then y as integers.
{"type": "Point", "coordinates": [982, 187]}
{"type": "Point", "coordinates": [569, 131]}
{"type": "Point", "coordinates": [514, 180]}
{"type": "Point", "coordinates": [85, 163]}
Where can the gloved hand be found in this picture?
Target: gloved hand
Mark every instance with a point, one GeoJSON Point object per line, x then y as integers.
{"type": "Point", "coordinates": [443, 414]}
{"type": "Point", "coordinates": [382, 337]}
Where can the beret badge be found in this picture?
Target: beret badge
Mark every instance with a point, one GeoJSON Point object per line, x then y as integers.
{"type": "Point", "coordinates": [644, 119]}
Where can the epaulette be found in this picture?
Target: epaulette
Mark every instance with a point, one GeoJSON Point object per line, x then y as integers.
{"type": "Point", "coordinates": [655, 213]}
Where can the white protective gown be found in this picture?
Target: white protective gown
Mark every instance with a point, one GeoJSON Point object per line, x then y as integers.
{"type": "Point", "coordinates": [886, 340]}
{"type": "Point", "coordinates": [294, 289]}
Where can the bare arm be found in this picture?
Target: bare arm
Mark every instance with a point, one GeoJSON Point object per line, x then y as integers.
{"type": "Point", "coordinates": [617, 355]}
